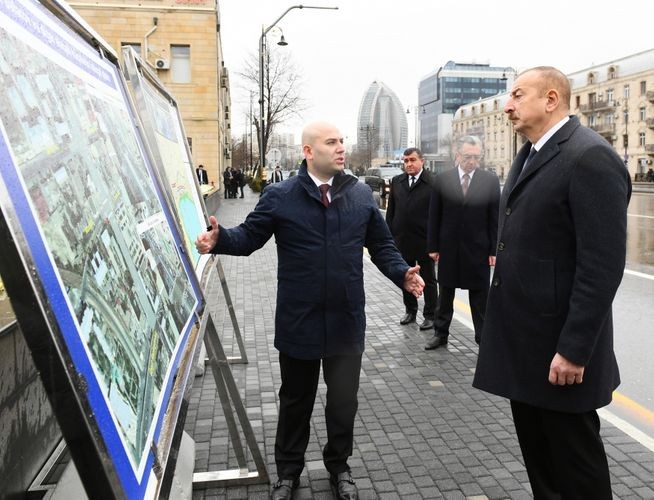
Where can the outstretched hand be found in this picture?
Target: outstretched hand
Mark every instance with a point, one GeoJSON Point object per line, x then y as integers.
{"type": "Point", "coordinates": [208, 239]}
{"type": "Point", "coordinates": [413, 282]}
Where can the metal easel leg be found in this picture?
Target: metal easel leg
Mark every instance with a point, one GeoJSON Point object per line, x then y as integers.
{"type": "Point", "coordinates": [231, 402]}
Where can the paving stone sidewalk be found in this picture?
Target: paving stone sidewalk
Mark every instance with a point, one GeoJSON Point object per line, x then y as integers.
{"type": "Point", "coordinates": [422, 431]}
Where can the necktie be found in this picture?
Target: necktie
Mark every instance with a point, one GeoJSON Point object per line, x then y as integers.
{"type": "Point", "coordinates": [323, 194]}
{"type": "Point", "coordinates": [413, 181]}
{"type": "Point", "coordinates": [532, 152]}
{"type": "Point", "coordinates": [465, 184]}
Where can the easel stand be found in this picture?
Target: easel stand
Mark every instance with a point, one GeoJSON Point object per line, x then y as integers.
{"type": "Point", "coordinates": [231, 402]}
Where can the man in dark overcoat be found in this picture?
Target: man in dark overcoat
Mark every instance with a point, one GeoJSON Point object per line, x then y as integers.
{"type": "Point", "coordinates": [547, 343]}
{"type": "Point", "coordinates": [321, 219]}
{"type": "Point", "coordinates": [406, 216]}
{"type": "Point", "coordinates": [462, 235]}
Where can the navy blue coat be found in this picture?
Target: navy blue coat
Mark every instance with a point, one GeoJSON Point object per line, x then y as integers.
{"type": "Point", "coordinates": [320, 296]}
{"type": "Point", "coordinates": [561, 256]}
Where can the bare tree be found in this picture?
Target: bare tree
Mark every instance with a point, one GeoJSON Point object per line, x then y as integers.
{"type": "Point", "coordinates": [282, 87]}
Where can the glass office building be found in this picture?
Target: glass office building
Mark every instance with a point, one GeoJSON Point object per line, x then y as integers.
{"type": "Point", "coordinates": [442, 92]}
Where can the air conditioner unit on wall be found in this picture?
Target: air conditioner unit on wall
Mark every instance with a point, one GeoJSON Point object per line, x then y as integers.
{"type": "Point", "coordinates": [162, 64]}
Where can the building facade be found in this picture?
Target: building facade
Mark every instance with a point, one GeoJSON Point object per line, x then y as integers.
{"type": "Point", "coordinates": [382, 125]}
{"type": "Point", "coordinates": [453, 85]}
{"type": "Point", "coordinates": [615, 98]}
{"type": "Point", "coordinates": [180, 41]}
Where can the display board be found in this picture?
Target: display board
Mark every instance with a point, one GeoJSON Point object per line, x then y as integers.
{"type": "Point", "coordinates": [164, 130]}
{"type": "Point", "coordinates": [91, 235]}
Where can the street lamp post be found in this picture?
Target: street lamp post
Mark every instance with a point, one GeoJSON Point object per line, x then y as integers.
{"type": "Point", "coordinates": [262, 147]}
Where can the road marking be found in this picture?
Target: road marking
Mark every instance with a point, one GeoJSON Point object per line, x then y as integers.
{"type": "Point", "coordinates": [627, 428]}
{"type": "Point", "coordinates": [641, 216]}
{"type": "Point", "coordinates": [639, 275]}
{"type": "Point", "coordinates": [618, 398]}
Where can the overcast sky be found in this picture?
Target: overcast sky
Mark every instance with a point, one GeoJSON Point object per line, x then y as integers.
{"type": "Point", "coordinates": [398, 42]}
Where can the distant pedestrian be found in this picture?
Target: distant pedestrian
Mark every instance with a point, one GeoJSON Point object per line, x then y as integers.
{"type": "Point", "coordinates": [463, 235]}
{"type": "Point", "coordinates": [228, 176]}
{"type": "Point", "coordinates": [203, 178]}
{"type": "Point", "coordinates": [406, 216]}
{"type": "Point", "coordinates": [321, 220]}
{"type": "Point", "coordinates": [240, 180]}
{"type": "Point", "coordinates": [277, 175]}
{"type": "Point", "coordinates": [547, 343]}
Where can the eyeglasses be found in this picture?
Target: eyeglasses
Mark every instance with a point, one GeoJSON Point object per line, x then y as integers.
{"type": "Point", "coordinates": [471, 157]}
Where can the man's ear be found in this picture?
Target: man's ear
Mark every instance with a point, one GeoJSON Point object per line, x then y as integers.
{"type": "Point", "coordinates": [553, 99]}
{"type": "Point", "coordinates": [306, 149]}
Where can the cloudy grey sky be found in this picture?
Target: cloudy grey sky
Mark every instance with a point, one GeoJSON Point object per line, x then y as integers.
{"type": "Point", "coordinates": [339, 53]}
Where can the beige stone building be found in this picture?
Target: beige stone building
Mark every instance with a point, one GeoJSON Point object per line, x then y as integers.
{"type": "Point", "coordinates": [180, 40]}
{"type": "Point", "coordinates": [616, 99]}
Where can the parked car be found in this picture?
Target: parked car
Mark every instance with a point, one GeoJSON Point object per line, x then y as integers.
{"type": "Point", "coordinates": [379, 178]}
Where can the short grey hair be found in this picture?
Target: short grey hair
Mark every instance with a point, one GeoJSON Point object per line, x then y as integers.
{"type": "Point", "coordinates": [468, 139]}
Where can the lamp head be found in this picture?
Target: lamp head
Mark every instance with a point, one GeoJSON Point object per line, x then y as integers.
{"type": "Point", "coordinates": [282, 41]}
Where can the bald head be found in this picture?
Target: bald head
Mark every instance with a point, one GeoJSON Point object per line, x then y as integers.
{"type": "Point", "coordinates": [313, 131]}
{"type": "Point", "coordinates": [322, 144]}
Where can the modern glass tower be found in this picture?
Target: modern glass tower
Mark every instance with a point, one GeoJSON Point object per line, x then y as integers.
{"type": "Point", "coordinates": [442, 92]}
{"type": "Point", "coordinates": [382, 126]}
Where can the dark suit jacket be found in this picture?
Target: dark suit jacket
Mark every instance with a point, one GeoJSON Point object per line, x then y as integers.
{"type": "Point", "coordinates": [406, 214]}
{"type": "Point", "coordinates": [561, 256]}
{"type": "Point", "coordinates": [202, 176]}
{"type": "Point", "coordinates": [464, 230]}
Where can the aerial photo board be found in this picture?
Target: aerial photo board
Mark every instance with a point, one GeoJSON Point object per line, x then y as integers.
{"type": "Point", "coordinates": [165, 133]}
{"type": "Point", "coordinates": [78, 194]}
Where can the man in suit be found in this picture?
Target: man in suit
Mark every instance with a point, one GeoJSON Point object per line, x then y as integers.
{"type": "Point", "coordinates": [406, 216]}
{"type": "Point", "coordinates": [202, 174]}
{"type": "Point", "coordinates": [277, 175]}
{"type": "Point", "coordinates": [462, 236]}
{"type": "Point", "coordinates": [547, 343]}
{"type": "Point", "coordinates": [321, 219]}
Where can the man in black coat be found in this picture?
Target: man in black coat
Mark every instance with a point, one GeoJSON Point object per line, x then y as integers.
{"type": "Point", "coordinates": [202, 175]}
{"type": "Point", "coordinates": [547, 343]}
{"type": "Point", "coordinates": [462, 236]}
{"type": "Point", "coordinates": [321, 219]}
{"type": "Point", "coordinates": [406, 216]}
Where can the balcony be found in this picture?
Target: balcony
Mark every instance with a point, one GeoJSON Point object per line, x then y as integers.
{"type": "Point", "coordinates": [649, 149]}
{"type": "Point", "coordinates": [650, 122]}
{"type": "Point", "coordinates": [597, 106]}
{"type": "Point", "coordinates": [604, 129]}
{"type": "Point", "coordinates": [650, 95]}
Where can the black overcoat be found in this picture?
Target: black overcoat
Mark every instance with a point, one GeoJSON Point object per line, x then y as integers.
{"type": "Point", "coordinates": [463, 230]}
{"type": "Point", "coordinates": [561, 256]}
{"type": "Point", "coordinates": [406, 214]}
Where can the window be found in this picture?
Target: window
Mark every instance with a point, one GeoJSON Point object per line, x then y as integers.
{"type": "Point", "coordinates": [626, 92]}
{"type": "Point", "coordinates": [591, 78]}
{"type": "Point", "coordinates": [135, 46]}
{"type": "Point", "coordinates": [642, 113]}
{"type": "Point", "coordinates": [180, 64]}
{"type": "Point", "coordinates": [643, 88]}
{"type": "Point", "coordinates": [609, 95]}
{"type": "Point", "coordinates": [578, 101]}
{"type": "Point", "coordinates": [641, 138]}
{"type": "Point", "coordinates": [612, 73]}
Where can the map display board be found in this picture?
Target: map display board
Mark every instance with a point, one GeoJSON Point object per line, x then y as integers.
{"type": "Point", "coordinates": [79, 196]}
{"type": "Point", "coordinates": [165, 133]}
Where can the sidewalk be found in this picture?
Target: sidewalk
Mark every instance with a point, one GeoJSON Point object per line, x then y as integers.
{"type": "Point", "coordinates": [422, 431]}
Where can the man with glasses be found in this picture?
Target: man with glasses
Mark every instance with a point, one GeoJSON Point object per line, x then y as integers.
{"type": "Point", "coordinates": [462, 235]}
